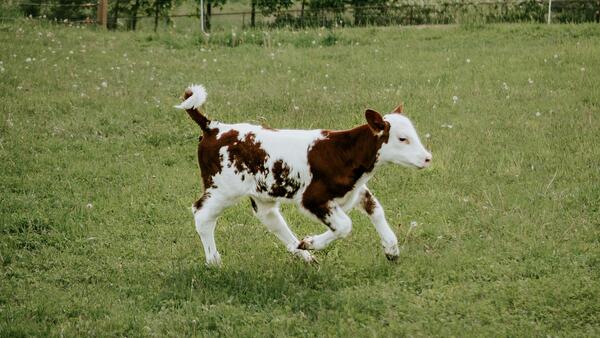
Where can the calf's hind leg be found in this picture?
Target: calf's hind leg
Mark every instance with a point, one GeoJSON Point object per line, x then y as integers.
{"type": "Point", "coordinates": [268, 213]}
{"type": "Point", "coordinates": [206, 211]}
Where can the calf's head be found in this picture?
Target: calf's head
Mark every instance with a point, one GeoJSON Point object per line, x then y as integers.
{"type": "Point", "coordinates": [403, 146]}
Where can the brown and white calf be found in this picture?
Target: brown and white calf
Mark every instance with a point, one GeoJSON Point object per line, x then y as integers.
{"type": "Point", "coordinates": [323, 172]}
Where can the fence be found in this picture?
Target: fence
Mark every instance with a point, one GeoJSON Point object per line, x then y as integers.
{"type": "Point", "coordinates": [573, 11]}
{"type": "Point", "coordinates": [98, 12]}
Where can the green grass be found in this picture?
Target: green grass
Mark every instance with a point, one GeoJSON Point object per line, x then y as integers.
{"type": "Point", "coordinates": [96, 236]}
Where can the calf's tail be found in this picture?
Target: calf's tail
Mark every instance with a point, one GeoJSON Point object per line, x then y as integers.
{"type": "Point", "coordinates": [194, 97]}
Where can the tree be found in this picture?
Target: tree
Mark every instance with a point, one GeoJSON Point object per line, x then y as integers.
{"type": "Point", "coordinates": [209, 4]}
{"type": "Point", "coordinates": [270, 7]}
{"type": "Point", "coordinates": [159, 8]}
{"type": "Point", "coordinates": [135, 6]}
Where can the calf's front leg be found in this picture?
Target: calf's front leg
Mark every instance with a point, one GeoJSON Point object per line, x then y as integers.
{"type": "Point", "coordinates": [333, 217]}
{"type": "Point", "coordinates": [371, 206]}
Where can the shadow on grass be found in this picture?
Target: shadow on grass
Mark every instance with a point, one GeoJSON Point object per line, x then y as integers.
{"type": "Point", "coordinates": [288, 282]}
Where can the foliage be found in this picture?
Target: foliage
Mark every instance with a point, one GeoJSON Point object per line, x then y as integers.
{"type": "Point", "coordinates": [72, 10]}
{"type": "Point", "coordinates": [269, 7]}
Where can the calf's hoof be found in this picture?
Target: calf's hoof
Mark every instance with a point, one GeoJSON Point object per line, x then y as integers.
{"type": "Point", "coordinates": [214, 261]}
{"type": "Point", "coordinates": [392, 258]}
{"type": "Point", "coordinates": [392, 253]}
{"type": "Point", "coordinates": [306, 244]}
{"type": "Point", "coordinates": [306, 256]}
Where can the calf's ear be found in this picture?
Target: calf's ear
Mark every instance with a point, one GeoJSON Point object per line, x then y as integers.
{"type": "Point", "coordinates": [375, 120]}
{"type": "Point", "coordinates": [399, 109]}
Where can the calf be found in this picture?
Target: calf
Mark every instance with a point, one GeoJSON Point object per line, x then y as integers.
{"type": "Point", "coordinates": [324, 172]}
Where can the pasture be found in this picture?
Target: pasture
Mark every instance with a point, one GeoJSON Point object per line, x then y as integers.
{"type": "Point", "coordinates": [500, 237]}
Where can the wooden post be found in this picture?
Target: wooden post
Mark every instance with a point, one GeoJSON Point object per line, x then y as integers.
{"type": "Point", "coordinates": [102, 13]}
{"type": "Point", "coordinates": [549, 11]}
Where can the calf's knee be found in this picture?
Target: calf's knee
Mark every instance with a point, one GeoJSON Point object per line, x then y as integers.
{"type": "Point", "coordinates": [344, 227]}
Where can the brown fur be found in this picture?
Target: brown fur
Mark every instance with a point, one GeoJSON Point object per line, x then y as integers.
{"type": "Point", "coordinates": [368, 203]}
{"type": "Point", "coordinates": [209, 158]}
{"type": "Point", "coordinates": [198, 204]}
{"type": "Point", "coordinates": [285, 185]}
{"type": "Point", "coordinates": [247, 155]}
{"type": "Point", "coordinates": [338, 162]}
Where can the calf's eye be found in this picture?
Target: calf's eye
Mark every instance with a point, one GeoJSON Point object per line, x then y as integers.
{"type": "Point", "coordinates": [402, 139]}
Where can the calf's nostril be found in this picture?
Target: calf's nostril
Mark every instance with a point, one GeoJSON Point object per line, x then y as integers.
{"type": "Point", "coordinates": [427, 160]}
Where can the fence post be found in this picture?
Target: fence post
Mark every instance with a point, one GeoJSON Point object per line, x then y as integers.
{"type": "Point", "coordinates": [102, 13]}
{"type": "Point", "coordinates": [549, 11]}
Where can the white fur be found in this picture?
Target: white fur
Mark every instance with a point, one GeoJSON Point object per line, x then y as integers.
{"type": "Point", "coordinates": [197, 99]}
{"type": "Point", "coordinates": [410, 153]}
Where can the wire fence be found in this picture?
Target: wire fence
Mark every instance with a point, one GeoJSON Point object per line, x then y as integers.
{"type": "Point", "coordinates": [398, 13]}
{"type": "Point", "coordinates": [73, 12]}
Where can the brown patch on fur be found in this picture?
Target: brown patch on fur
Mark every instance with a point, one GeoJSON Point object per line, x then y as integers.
{"type": "Point", "coordinates": [198, 204]}
{"type": "Point", "coordinates": [209, 158]}
{"type": "Point", "coordinates": [247, 155]}
{"type": "Point", "coordinates": [285, 185]}
{"type": "Point", "coordinates": [338, 162]}
{"type": "Point", "coordinates": [368, 203]}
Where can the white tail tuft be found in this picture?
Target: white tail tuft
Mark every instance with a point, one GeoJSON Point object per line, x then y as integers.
{"type": "Point", "coordinates": [196, 100]}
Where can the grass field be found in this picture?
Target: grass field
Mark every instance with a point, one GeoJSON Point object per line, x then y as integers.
{"type": "Point", "coordinates": [98, 171]}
